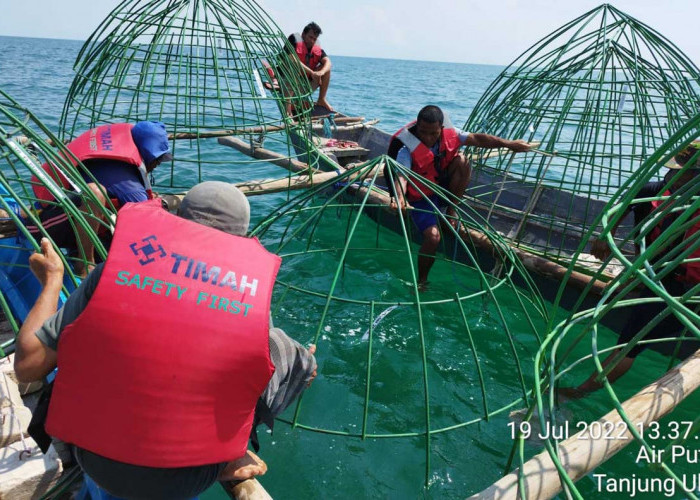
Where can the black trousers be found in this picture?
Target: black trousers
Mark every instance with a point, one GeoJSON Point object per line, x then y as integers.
{"type": "Point", "coordinates": [643, 314]}
{"type": "Point", "coordinates": [148, 483]}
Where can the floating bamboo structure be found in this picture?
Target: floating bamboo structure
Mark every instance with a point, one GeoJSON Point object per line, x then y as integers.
{"type": "Point", "coordinates": [602, 93]}
{"type": "Point", "coordinates": [24, 148]}
{"type": "Point", "coordinates": [205, 69]}
{"type": "Point", "coordinates": [342, 224]}
{"type": "Point", "coordinates": [663, 294]}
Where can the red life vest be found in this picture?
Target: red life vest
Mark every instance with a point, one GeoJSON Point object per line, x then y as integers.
{"type": "Point", "coordinates": [107, 142]}
{"type": "Point", "coordinates": [690, 271]}
{"type": "Point", "coordinates": [309, 58]}
{"type": "Point", "coordinates": [423, 159]}
{"type": "Point", "coordinates": [165, 365]}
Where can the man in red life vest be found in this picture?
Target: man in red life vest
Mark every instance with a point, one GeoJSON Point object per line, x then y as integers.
{"type": "Point", "coordinates": [165, 366]}
{"type": "Point", "coordinates": [430, 147]}
{"type": "Point", "coordinates": [676, 284]}
{"type": "Point", "coordinates": [120, 157]}
{"type": "Point", "coordinates": [315, 63]}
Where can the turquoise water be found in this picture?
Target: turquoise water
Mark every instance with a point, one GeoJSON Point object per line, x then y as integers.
{"type": "Point", "coordinates": [306, 464]}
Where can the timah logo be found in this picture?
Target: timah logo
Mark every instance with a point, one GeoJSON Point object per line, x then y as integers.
{"type": "Point", "coordinates": [149, 250]}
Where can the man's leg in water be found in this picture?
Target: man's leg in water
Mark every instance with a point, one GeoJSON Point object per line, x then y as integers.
{"type": "Point", "coordinates": [426, 254]}
{"type": "Point", "coordinates": [591, 385]}
{"type": "Point", "coordinates": [459, 172]}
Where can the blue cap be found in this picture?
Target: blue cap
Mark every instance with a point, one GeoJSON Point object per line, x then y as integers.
{"type": "Point", "coordinates": [152, 141]}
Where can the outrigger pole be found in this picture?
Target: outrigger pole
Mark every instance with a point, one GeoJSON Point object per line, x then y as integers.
{"type": "Point", "coordinates": [580, 454]}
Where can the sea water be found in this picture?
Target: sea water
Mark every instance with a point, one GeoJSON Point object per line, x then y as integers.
{"type": "Point", "coordinates": [305, 464]}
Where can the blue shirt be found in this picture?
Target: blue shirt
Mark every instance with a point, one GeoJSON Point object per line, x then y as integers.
{"type": "Point", "coordinates": [121, 180]}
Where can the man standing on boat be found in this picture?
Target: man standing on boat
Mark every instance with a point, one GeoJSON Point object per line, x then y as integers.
{"type": "Point", "coordinates": [166, 351]}
{"type": "Point", "coordinates": [314, 60]}
{"type": "Point", "coordinates": [430, 147]}
{"type": "Point", "coordinates": [677, 283]}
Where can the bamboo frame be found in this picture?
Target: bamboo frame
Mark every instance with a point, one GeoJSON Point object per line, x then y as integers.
{"type": "Point", "coordinates": [604, 91]}
{"type": "Point", "coordinates": [347, 199]}
{"type": "Point", "coordinates": [202, 69]}
{"type": "Point", "coordinates": [659, 260]}
{"type": "Point", "coordinates": [23, 149]}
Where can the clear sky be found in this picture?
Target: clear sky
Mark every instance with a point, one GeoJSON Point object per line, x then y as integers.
{"type": "Point", "coordinates": [488, 31]}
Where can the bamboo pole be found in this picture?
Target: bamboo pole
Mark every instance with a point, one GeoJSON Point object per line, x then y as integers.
{"type": "Point", "coordinates": [339, 119]}
{"type": "Point", "coordinates": [557, 272]}
{"type": "Point", "coordinates": [265, 186]}
{"type": "Point", "coordinates": [195, 135]}
{"type": "Point", "coordinates": [264, 154]}
{"type": "Point", "coordinates": [250, 489]}
{"type": "Point", "coordinates": [579, 456]}
{"type": "Point", "coordinates": [346, 128]}
{"type": "Point", "coordinates": [253, 188]}
{"type": "Point", "coordinates": [256, 130]}
{"type": "Point", "coordinates": [237, 131]}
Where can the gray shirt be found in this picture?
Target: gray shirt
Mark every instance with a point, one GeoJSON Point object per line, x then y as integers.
{"type": "Point", "coordinates": [293, 363]}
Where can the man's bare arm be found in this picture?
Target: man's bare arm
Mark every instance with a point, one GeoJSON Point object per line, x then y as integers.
{"type": "Point", "coordinates": [492, 142]}
{"type": "Point", "coordinates": [599, 246]}
{"type": "Point", "coordinates": [325, 66]}
{"type": "Point", "coordinates": [33, 359]}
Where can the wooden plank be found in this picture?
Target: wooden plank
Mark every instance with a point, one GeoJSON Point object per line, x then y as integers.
{"type": "Point", "coordinates": [580, 455]}
{"type": "Point", "coordinates": [358, 151]}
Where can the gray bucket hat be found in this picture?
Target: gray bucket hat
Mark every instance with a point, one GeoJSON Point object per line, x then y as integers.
{"type": "Point", "coordinates": [219, 205]}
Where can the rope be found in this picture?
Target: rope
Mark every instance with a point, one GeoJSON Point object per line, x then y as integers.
{"type": "Point", "coordinates": [327, 127]}
{"type": "Point", "coordinates": [26, 449]}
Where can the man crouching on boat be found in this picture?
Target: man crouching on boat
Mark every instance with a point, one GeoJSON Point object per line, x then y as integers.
{"type": "Point", "coordinates": [430, 147]}
{"type": "Point", "coordinates": [677, 283]}
{"type": "Point", "coordinates": [314, 61]}
{"type": "Point", "coordinates": [119, 158]}
{"type": "Point", "coordinates": [165, 352]}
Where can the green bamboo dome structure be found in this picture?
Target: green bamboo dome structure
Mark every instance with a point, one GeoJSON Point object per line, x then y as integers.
{"type": "Point", "coordinates": [416, 369]}
{"type": "Point", "coordinates": [25, 145]}
{"type": "Point", "coordinates": [200, 67]}
{"type": "Point", "coordinates": [657, 417]}
{"type": "Point", "coordinates": [600, 95]}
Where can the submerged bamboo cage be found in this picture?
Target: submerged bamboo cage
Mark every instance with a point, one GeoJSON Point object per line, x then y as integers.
{"type": "Point", "coordinates": [205, 69]}
{"type": "Point", "coordinates": [400, 364]}
{"type": "Point", "coordinates": [600, 94]}
{"type": "Point", "coordinates": [24, 148]}
{"type": "Point", "coordinates": [659, 291]}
